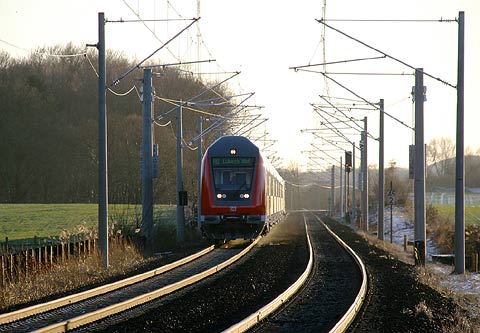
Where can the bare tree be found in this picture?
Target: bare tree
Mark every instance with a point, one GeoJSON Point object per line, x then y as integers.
{"type": "Point", "coordinates": [439, 154]}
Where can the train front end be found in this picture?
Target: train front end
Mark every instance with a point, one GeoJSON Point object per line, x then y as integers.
{"type": "Point", "coordinates": [233, 190]}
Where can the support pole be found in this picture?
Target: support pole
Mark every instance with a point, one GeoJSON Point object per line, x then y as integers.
{"type": "Point", "coordinates": [147, 161]}
{"type": "Point", "coordinates": [419, 185]}
{"type": "Point", "coordinates": [332, 191]}
{"type": "Point", "coordinates": [345, 195]}
{"type": "Point", "coordinates": [354, 203]}
{"type": "Point", "coordinates": [180, 207]}
{"type": "Point", "coordinates": [102, 145]}
{"type": "Point", "coordinates": [341, 189]}
{"type": "Point", "coordinates": [365, 176]}
{"type": "Point", "coordinates": [199, 174]}
{"type": "Point", "coordinates": [460, 158]}
{"type": "Point", "coordinates": [381, 175]}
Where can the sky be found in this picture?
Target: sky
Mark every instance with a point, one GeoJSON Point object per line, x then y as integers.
{"type": "Point", "coordinates": [264, 39]}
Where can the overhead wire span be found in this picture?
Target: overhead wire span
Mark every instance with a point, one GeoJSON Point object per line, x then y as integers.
{"type": "Point", "coordinates": [121, 77]}
{"type": "Point", "coordinates": [45, 53]}
{"type": "Point", "coordinates": [178, 63]}
{"type": "Point", "coordinates": [146, 26]}
{"type": "Point", "coordinates": [109, 89]}
{"type": "Point", "coordinates": [296, 68]}
{"type": "Point", "coordinates": [205, 91]}
{"type": "Point", "coordinates": [342, 98]}
{"type": "Point", "coordinates": [252, 128]}
{"type": "Point", "coordinates": [332, 127]}
{"type": "Point", "coordinates": [310, 184]}
{"type": "Point", "coordinates": [162, 125]}
{"type": "Point", "coordinates": [369, 73]}
{"type": "Point", "coordinates": [385, 54]}
{"type": "Point", "coordinates": [146, 20]}
{"type": "Point", "coordinates": [393, 20]}
{"type": "Point", "coordinates": [349, 118]}
{"type": "Point", "coordinates": [372, 104]}
{"type": "Point", "coordinates": [184, 143]}
{"type": "Point", "coordinates": [185, 106]}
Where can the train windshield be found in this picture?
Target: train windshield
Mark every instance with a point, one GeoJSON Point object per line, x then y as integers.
{"type": "Point", "coordinates": [233, 173]}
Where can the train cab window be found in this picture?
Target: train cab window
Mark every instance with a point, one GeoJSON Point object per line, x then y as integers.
{"type": "Point", "coordinates": [232, 179]}
{"type": "Point", "coordinates": [232, 175]}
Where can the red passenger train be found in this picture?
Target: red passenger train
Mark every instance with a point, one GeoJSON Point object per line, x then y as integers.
{"type": "Point", "coordinates": [241, 193]}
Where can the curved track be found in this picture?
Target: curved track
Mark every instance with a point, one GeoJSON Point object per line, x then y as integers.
{"type": "Point", "coordinates": [331, 296]}
{"type": "Point", "coordinates": [80, 309]}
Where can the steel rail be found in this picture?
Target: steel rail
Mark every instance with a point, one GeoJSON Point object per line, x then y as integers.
{"type": "Point", "coordinates": [260, 314]}
{"type": "Point", "coordinates": [341, 325]}
{"type": "Point", "coordinates": [349, 316]}
{"type": "Point", "coordinates": [91, 317]}
{"type": "Point", "coordinates": [9, 317]}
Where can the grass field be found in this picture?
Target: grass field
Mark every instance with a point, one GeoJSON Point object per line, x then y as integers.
{"type": "Point", "coordinates": [472, 213]}
{"type": "Point", "coordinates": [23, 222]}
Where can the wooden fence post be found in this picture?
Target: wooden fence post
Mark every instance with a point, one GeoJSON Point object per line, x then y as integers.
{"type": "Point", "coordinates": [34, 261]}
{"type": "Point", "coordinates": [50, 248]}
{"type": "Point", "coordinates": [474, 262]}
{"type": "Point", "coordinates": [12, 264]}
{"type": "Point", "coordinates": [2, 269]}
{"type": "Point", "coordinates": [26, 263]}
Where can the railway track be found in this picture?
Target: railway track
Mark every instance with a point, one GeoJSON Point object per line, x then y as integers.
{"type": "Point", "coordinates": [320, 305]}
{"type": "Point", "coordinates": [80, 309]}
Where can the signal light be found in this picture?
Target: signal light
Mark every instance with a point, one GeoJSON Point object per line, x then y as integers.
{"type": "Point", "coordinates": [348, 161]}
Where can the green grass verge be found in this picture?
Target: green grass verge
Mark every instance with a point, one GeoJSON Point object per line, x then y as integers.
{"type": "Point", "coordinates": [24, 222]}
{"type": "Point", "coordinates": [472, 213]}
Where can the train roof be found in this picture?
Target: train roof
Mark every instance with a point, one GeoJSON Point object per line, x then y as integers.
{"type": "Point", "coordinates": [244, 147]}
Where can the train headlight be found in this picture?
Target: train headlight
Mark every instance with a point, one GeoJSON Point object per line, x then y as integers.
{"type": "Point", "coordinates": [224, 196]}
{"type": "Point", "coordinates": [241, 196]}
{"type": "Point", "coordinates": [219, 196]}
{"type": "Point", "coordinates": [245, 196]}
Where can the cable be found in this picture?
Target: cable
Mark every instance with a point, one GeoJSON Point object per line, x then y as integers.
{"type": "Point", "coordinates": [153, 32]}
{"type": "Point", "coordinates": [162, 125]}
{"type": "Point", "coordinates": [392, 20]}
{"type": "Point", "coordinates": [177, 103]}
{"type": "Point", "coordinates": [45, 53]}
{"type": "Point", "coordinates": [121, 77]}
{"type": "Point", "coordinates": [109, 89]}
{"type": "Point", "coordinates": [376, 107]}
{"type": "Point", "coordinates": [385, 54]}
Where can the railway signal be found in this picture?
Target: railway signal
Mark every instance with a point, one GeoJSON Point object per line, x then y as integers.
{"type": "Point", "coordinates": [348, 161]}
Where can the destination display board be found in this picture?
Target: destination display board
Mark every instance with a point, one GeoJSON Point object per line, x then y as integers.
{"type": "Point", "coordinates": [221, 162]}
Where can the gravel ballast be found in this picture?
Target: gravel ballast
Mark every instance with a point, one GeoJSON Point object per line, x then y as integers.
{"type": "Point", "coordinates": [396, 300]}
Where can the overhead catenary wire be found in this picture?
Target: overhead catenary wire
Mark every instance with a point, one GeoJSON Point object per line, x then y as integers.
{"type": "Point", "coordinates": [309, 185]}
{"type": "Point", "coordinates": [109, 89]}
{"type": "Point", "coordinates": [296, 68]}
{"type": "Point", "coordinates": [370, 73]}
{"type": "Point", "coordinates": [385, 54]}
{"type": "Point", "coordinates": [202, 93]}
{"type": "Point", "coordinates": [121, 77]}
{"type": "Point", "coordinates": [146, 20]}
{"type": "Point", "coordinates": [146, 26]}
{"type": "Point", "coordinates": [393, 20]}
{"type": "Point", "coordinates": [46, 54]}
{"type": "Point", "coordinates": [185, 106]}
{"type": "Point", "coordinates": [370, 103]}
{"type": "Point", "coordinates": [162, 125]}
{"type": "Point", "coordinates": [347, 117]}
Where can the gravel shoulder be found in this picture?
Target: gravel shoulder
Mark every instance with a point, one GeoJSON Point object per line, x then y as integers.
{"type": "Point", "coordinates": [397, 301]}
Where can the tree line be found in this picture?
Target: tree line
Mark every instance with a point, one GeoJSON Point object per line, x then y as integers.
{"type": "Point", "coordinates": [49, 128]}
